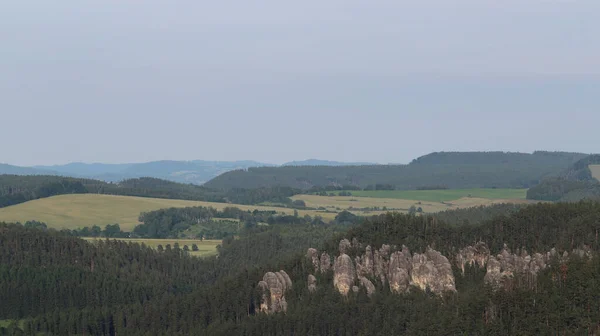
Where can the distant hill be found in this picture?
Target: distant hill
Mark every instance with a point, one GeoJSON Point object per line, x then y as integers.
{"type": "Point", "coordinates": [574, 184]}
{"type": "Point", "coordinates": [195, 172]}
{"type": "Point", "coordinates": [448, 169]}
{"type": "Point", "coordinates": [316, 162]}
{"type": "Point", "coordinates": [16, 170]}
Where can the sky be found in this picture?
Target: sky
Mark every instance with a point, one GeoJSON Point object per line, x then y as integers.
{"type": "Point", "coordinates": [380, 81]}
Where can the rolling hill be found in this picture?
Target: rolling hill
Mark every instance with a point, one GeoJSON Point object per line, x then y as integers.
{"type": "Point", "coordinates": [454, 170]}
{"type": "Point", "coordinates": [85, 210]}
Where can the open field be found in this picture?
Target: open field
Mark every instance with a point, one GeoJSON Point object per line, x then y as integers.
{"type": "Point", "coordinates": [595, 171]}
{"type": "Point", "coordinates": [206, 247]}
{"type": "Point", "coordinates": [444, 195]}
{"type": "Point", "coordinates": [86, 210]}
{"type": "Point", "coordinates": [353, 203]}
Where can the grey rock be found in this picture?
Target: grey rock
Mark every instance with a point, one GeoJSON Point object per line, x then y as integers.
{"type": "Point", "coordinates": [325, 262]}
{"type": "Point", "coordinates": [344, 246]}
{"type": "Point", "coordinates": [343, 274]}
{"type": "Point", "coordinates": [273, 286]}
{"type": "Point", "coordinates": [312, 283]}
{"type": "Point", "coordinates": [313, 255]}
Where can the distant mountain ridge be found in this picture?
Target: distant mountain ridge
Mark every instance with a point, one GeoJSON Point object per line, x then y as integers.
{"type": "Point", "coordinates": [316, 162]}
{"type": "Point", "coordinates": [194, 172]}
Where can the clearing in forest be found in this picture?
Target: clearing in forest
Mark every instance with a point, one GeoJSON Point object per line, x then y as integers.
{"type": "Point", "coordinates": [442, 195]}
{"type": "Point", "coordinates": [86, 210]}
{"type": "Point", "coordinates": [377, 205]}
{"type": "Point", "coordinates": [205, 247]}
{"type": "Point", "coordinates": [595, 171]}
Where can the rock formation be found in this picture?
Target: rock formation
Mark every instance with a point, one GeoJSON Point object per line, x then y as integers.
{"type": "Point", "coordinates": [344, 246]}
{"type": "Point", "coordinates": [367, 284]}
{"type": "Point", "coordinates": [431, 270]}
{"type": "Point", "coordinates": [343, 274]}
{"type": "Point", "coordinates": [325, 262]}
{"type": "Point", "coordinates": [274, 286]}
{"type": "Point", "coordinates": [312, 283]}
{"type": "Point", "coordinates": [473, 255]}
{"type": "Point", "coordinates": [313, 255]}
{"type": "Point", "coordinates": [398, 270]}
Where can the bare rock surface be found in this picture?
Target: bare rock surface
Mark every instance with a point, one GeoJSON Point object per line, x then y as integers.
{"type": "Point", "coordinates": [345, 245]}
{"type": "Point", "coordinates": [312, 283]}
{"type": "Point", "coordinates": [343, 274]}
{"type": "Point", "coordinates": [325, 262]}
{"type": "Point", "coordinates": [274, 286]}
{"type": "Point", "coordinates": [313, 255]}
{"type": "Point", "coordinates": [473, 255]}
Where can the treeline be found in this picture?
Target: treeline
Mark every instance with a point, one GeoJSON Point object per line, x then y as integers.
{"type": "Point", "coordinates": [209, 223]}
{"type": "Point", "coordinates": [574, 184]}
{"type": "Point", "coordinates": [15, 189]}
{"type": "Point", "coordinates": [451, 170]}
{"type": "Point", "coordinates": [219, 296]}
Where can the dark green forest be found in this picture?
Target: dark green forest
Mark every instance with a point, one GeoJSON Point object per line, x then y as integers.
{"type": "Point", "coordinates": [573, 184]}
{"type": "Point", "coordinates": [452, 170]}
{"type": "Point", "coordinates": [56, 284]}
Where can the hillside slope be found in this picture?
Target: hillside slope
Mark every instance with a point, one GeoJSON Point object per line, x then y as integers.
{"type": "Point", "coordinates": [451, 170]}
{"type": "Point", "coordinates": [574, 184]}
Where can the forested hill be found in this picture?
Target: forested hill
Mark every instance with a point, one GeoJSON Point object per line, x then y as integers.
{"type": "Point", "coordinates": [573, 184]}
{"type": "Point", "coordinates": [58, 285]}
{"type": "Point", "coordinates": [15, 189]}
{"type": "Point", "coordinates": [449, 169]}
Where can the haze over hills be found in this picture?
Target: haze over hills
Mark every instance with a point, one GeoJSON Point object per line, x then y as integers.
{"type": "Point", "coordinates": [195, 172]}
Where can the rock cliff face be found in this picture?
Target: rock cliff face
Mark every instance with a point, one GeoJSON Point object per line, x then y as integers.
{"type": "Point", "coordinates": [313, 255]}
{"type": "Point", "coordinates": [274, 286]}
{"type": "Point", "coordinates": [508, 270]}
{"type": "Point", "coordinates": [312, 283]}
{"type": "Point", "coordinates": [400, 270]}
{"type": "Point", "coordinates": [473, 255]}
{"type": "Point", "coordinates": [343, 274]}
{"type": "Point", "coordinates": [325, 262]}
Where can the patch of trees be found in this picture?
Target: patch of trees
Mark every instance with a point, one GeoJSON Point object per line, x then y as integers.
{"type": "Point", "coordinates": [453, 170]}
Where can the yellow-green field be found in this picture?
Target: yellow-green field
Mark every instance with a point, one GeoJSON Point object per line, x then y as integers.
{"type": "Point", "coordinates": [86, 210]}
{"type": "Point", "coordinates": [595, 171]}
{"type": "Point", "coordinates": [206, 247]}
{"type": "Point", "coordinates": [353, 202]}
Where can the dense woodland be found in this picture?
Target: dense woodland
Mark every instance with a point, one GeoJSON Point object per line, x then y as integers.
{"type": "Point", "coordinates": [451, 170]}
{"type": "Point", "coordinates": [574, 184]}
{"type": "Point", "coordinates": [114, 288]}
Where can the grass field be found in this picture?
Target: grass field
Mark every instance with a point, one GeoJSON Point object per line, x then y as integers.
{"type": "Point", "coordinates": [353, 203]}
{"type": "Point", "coordinates": [206, 247]}
{"type": "Point", "coordinates": [444, 195]}
{"type": "Point", "coordinates": [595, 171]}
{"type": "Point", "coordinates": [86, 210]}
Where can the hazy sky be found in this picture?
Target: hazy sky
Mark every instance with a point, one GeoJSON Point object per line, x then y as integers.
{"type": "Point", "coordinates": [274, 81]}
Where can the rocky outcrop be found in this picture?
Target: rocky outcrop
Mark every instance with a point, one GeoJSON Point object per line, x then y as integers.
{"type": "Point", "coordinates": [325, 262]}
{"type": "Point", "coordinates": [380, 262]}
{"type": "Point", "coordinates": [399, 268]}
{"type": "Point", "coordinates": [313, 255]}
{"type": "Point", "coordinates": [344, 246]}
{"type": "Point", "coordinates": [343, 274]}
{"type": "Point", "coordinates": [364, 264]}
{"type": "Point", "coordinates": [312, 283]}
{"type": "Point", "coordinates": [273, 286]}
{"type": "Point", "coordinates": [432, 271]}
{"type": "Point", "coordinates": [473, 255]}
{"type": "Point", "coordinates": [367, 284]}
